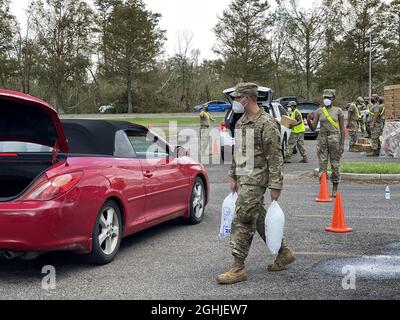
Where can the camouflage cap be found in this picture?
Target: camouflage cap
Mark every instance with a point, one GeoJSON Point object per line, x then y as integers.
{"type": "Point", "coordinates": [292, 104]}
{"type": "Point", "coordinates": [329, 93]}
{"type": "Point", "coordinates": [245, 89]}
{"type": "Point", "coordinates": [375, 96]}
{"type": "Point", "coordinates": [360, 100]}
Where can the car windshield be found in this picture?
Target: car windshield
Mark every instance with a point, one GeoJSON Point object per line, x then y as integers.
{"type": "Point", "coordinates": [16, 146]}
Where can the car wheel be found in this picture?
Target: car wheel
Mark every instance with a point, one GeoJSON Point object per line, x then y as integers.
{"type": "Point", "coordinates": [107, 234]}
{"type": "Point", "coordinates": [197, 202]}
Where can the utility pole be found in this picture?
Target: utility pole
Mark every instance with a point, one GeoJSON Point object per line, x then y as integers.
{"type": "Point", "coordinates": [370, 65]}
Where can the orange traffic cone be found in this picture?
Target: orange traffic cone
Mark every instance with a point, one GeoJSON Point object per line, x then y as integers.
{"type": "Point", "coordinates": [216, 148]}
{"type": "Point", "coordinates": [324, 192]}
{"type": "Point", "coordinates": [339, 221]}
{"type": "Point", "coordinates": [347, 132]}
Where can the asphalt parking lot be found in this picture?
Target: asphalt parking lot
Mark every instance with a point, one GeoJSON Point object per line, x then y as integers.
{"type": "Point", "coordinates": [173, 261]}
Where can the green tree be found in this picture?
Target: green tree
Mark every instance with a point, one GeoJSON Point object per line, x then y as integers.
{"type": "Point", "coordinates": [242, 40]}
{"type": "Point", "coordinates": [306, 30]}
{"type": "Point", "coordinates": [63, 30]}
{"type": "Point", "coordinates": [131, 41]}
{"type": "Point", "coordinates": [7, 28]}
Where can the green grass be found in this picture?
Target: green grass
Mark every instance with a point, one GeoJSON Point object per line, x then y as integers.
{"type": "Point", "coordinates": [165, 121]}
{"type": "Point", "coordinates": [378, 168]}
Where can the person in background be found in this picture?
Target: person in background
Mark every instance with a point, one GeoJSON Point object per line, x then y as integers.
{"type": "Point", "coordinates": [353, 121]}
{"type": "Point", "coordinates": [205, 121]}
{"type": "Point", "coordinates": [378, 121]}
{"type": "Point", "coordinates": [297, 134]}
{"type": "Point", "coordinates": [330, 143]}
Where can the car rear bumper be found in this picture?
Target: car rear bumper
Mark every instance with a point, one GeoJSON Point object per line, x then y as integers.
{"type": "Point", "coordinates": [42, 226]}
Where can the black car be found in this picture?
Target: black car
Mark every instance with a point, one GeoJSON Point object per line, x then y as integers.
{"type": "Point", "coordinates": [285, 100]}
{"type": "Point", "coordinates": [307, 107]}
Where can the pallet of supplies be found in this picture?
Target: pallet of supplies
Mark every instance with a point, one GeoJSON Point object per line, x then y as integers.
{"type": "Point", "coordinates": [391, 140]}
{"type": "Point", "coordinates": [392, 102]}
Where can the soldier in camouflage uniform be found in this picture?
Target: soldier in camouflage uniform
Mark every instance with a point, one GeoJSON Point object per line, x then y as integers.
{"type": "Point", "coordinates": [378, 123]}
{"type": "Point", "coordinates": [353, 121]}
{"type": "Point", "coordinates": [257, 165]}
{"type": "Point", "coordinates": [370, 115]}
{"type": "Point", "coordinates": [297, 135]}
{"type": "Point", "coordinates": [205, 119]}
{"type": "Point", "coordinates": [330, 143]}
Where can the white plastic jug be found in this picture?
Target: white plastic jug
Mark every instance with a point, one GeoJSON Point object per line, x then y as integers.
{"type": "Point", "coordinates": [228, 211]}
{"type": "Point", "coordinates": [274, 227]}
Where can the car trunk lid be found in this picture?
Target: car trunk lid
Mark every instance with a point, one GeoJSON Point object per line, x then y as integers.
{"type": "Point", "coordinates": [27, 119]}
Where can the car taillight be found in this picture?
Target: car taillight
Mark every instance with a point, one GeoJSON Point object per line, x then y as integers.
{"type": "Point", "coordinates": [223, 127]}
{"type": "Point", "coordinates": [46, 189]}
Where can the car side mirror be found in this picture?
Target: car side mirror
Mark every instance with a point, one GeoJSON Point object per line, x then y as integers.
{"type": "Point", "coordinates": [179, 152]}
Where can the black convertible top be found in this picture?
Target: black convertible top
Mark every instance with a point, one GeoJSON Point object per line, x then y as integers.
{"type": "Point", "coordinates": [95, 137]}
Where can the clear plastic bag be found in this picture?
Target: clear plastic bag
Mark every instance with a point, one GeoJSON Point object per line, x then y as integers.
{"type": "Point", "coordinates": [274, 227]}
{"type": "Point", "coordinates": [228, 210]}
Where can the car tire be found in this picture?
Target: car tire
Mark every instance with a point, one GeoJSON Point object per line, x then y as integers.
{"type": "Point", "coordinates": [197, 203]}
{"type": "Point", "coordinates": [107, 234]}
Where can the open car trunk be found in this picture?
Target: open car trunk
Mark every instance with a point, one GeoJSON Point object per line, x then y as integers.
{"type": "Point", "coordinates": [17, 175]}
{"type": "Point", "coordinates": [31, 138]}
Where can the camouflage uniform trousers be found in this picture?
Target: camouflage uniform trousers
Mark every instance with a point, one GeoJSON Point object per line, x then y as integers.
{"type": "Point", "coordinates": [249, 218]}
{"type": "Point", "coordinates": [362, 125]}
{"type": "Point", "coordinates": [328, 149]}
{"type": "Point", "coordinates": [204, 141]}
{"type": "Point", "coordinates": [376, 133]}
{"type": "Point", "coordinates": [368, 126]}
{"type": "Point", "coordinates": [353, 133]}
{"type": "Point", "coordinates": [296, 139]}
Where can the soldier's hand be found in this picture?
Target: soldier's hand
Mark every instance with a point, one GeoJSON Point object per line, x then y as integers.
{"type": "Point", "coordinates": [275, 194]}
{"type": "Point", "coordinates": [234, 185]}
{"type": "Point", "coordinates": [341, 150]}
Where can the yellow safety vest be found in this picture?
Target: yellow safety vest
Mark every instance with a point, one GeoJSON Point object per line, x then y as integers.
{"type": "Point", "coordinates": [328, 116]}
{"type": "Point", "coordinates": [357, 111]}
{"type": "Point", "coordinates": [300, 128]}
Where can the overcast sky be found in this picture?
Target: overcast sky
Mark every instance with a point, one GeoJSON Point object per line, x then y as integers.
{"type": "Point", "coordinates": [198, 16]}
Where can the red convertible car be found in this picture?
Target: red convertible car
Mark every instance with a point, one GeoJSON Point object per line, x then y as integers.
{"type": "Point", "coordinates": [82, 185]}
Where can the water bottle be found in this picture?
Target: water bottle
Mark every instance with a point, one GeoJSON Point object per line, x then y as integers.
{"type": "Point", "coordinates": [387, 193]}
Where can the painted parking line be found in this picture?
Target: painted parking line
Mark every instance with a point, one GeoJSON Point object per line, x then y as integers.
{"type": "Point", "coordinates": [329, 254]}
{"type": "Point", "coordinates": [350, 217]}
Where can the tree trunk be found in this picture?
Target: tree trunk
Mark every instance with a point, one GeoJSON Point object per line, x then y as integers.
{"type": "Point", "coordinates": [130, 96]}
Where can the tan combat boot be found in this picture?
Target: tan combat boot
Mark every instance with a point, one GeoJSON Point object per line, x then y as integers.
{"type": "Point", "coordinates": [305, 160]}
{"type": "Point", "coordinates": [285, 257]}
{"type": "Point", "coordinates": [236, 274]}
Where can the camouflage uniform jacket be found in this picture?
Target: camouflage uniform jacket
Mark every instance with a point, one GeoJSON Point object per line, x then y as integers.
{"type": "Point", "coordinates": [262, 164]}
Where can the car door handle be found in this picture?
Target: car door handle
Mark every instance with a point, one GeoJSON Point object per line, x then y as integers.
{"type": "Point", "coordinates": [148, 174]}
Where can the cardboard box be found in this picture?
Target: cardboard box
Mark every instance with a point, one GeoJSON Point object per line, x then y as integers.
{"type": "Point", "coordinates": [392, 102]}
{"type": "Point", "coordinates": [287, 121]}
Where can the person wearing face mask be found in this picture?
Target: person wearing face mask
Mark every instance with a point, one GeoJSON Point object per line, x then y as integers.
{"type": "Point", "coordinates": [205, 121]}
{"type": "Point", "coordinates": [297, 134]}
{"type": "Point", "coordinates": [353, 122]}
{"type": "Point", "coordinates": [257, 165]}
{"type": "Point", "coordinates": [330, 143]}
